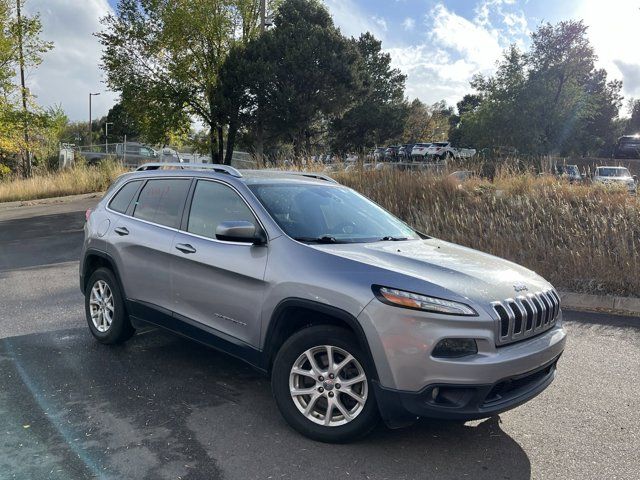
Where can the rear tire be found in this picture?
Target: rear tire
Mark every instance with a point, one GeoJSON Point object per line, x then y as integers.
{"type": "Point", "coordinates": [105, 310]}
{"type": "Point", "coordinates": [341, 389]}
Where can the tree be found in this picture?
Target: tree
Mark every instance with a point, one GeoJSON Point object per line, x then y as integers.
{"type": "Point", "coordinates": [294, 75]}
{"type": "Point", "coordinates": [426, 123]}
{"type": "Point", "coordinates": [20, 50]}
{"type": "Point", "coordinates": [378, 115]}
{"type": "Point", "coordinates": [633, 126]}
{"type": "Point", "coordinates": [550, 99]}
{"type": "Point", "coordinates": [165, 59]}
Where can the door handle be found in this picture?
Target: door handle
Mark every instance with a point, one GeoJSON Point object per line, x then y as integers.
{"type": "Point", "coordinates": [121, 231]}
{"type": "Point", "coordinates": [185, 247]}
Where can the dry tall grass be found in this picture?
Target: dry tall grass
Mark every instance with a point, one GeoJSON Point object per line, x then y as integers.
{"type": "Point", "coordinates": [80, 179]}
{"type": "Point", "coordinates": [580, 238]}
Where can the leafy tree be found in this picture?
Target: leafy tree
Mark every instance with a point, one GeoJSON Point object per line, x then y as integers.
{"type": "Point", "coordinates": [165, 59]}
{"type": "Point", "coordinates": [378, 115]}
{"type": "Point", "coordinates": [550, 99]}
{"type": "Point", "coordinates": [21, 49]}
{"type": "Point", "coordinates": [633, 126]}
{"type": "Point", "coordinates": [425, 123]}
{"type": "Point", "coordinates": [295, 74]}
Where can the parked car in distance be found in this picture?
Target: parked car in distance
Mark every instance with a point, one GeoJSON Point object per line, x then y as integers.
{"type": "Point", "coordinates": [444, 150]}
{"type": "Point", "coordinates": [391, 153]}
{"type": "Point", "coordinates": [378, 154]}
{"type": "Point", "coordinates": [568, 172]}
{"type": "Point", "coordinates": [419, 151]}
{"type": "Point", "coordinates": [628, 146]}
{"type": "Point", "coordinates": [353, 314]}
{"type": "Point", "coordinates": [404, 153]}
{"type": "Point", "coordinates": [613, 176]}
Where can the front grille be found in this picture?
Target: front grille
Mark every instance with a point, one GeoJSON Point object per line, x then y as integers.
{"type": "Point", "coordinates": [526, 315]}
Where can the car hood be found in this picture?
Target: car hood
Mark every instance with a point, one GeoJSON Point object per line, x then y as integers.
{"type": "Point", "coordinates": [463, 271]}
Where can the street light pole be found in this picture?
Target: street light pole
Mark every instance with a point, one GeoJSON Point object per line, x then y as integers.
{"type": "Point", "coordinates": [90, 129]}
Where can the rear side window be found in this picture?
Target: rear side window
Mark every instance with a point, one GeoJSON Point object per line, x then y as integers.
{"type": "Point", "coordinates": [214, 203]}
{"type": "Point", "coordinates": [121, 200]}
{"type": "Point", "coordinates": [161, 201]}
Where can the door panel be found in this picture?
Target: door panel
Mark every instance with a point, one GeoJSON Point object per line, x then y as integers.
{"type": "Point", "coordinates": [220, 284]}
{"type": "Point", "coordinates": [141, 240]}
{"type": "Point", "coordinates": [143, 259]}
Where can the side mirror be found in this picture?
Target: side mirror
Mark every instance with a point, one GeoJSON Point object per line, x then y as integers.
{"type": "Point", "coordinates": [240, 231]}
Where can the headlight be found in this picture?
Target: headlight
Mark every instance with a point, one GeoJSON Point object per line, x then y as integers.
{"type": "Point", "coordinates": [415, 301]}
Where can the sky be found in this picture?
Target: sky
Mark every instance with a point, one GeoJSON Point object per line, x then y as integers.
{"type": "Point", "coordinates": [438, 44]}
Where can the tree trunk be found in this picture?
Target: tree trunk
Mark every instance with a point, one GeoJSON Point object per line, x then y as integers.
{"type": "Point", "coordinates": [26, 165]}
{"type": "Point", "coordinates": [231, 141]}
{"type": "Point", "coordinates": [212, 144]}
{"type": "Point", "coordinates": [220, 157]}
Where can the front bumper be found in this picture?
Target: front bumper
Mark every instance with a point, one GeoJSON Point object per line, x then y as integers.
{"type": "Point", "coordinates": [463, 402]}
{"type": "Point", "coordinates": [475, 386]}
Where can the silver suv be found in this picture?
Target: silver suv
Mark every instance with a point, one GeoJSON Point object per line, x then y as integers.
{"type": "Point", "coordinates": [353, 314]}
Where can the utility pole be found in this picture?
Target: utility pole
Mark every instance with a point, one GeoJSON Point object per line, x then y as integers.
{"type": "Point", "coordinates": [260, 126]}
{"type": "Point", "coordinates": [26, 160]}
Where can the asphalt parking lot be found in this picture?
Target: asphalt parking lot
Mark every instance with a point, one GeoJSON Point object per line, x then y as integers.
{"type": "Point", "coordinates": [163, 407]}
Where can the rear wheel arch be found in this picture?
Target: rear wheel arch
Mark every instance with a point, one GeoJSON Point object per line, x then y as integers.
{"type": "Point", "coordinates": [95, 259]}
{"type": "Point", "coordinates": [295, 314]}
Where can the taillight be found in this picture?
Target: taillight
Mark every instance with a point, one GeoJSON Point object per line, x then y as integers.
{"type": "Point", "coordinates": [87, 214]}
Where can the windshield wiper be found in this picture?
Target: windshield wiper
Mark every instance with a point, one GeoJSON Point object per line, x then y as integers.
{"type": "Point", "coordinates": [322, 239]}
{"type": "Point", "coordinates": [389, 238]}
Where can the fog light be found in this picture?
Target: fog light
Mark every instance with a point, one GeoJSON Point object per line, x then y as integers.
{"type": "Point", "coordinates": [455, 347]}
{"type": "Point", "coordinates": [434, 393]}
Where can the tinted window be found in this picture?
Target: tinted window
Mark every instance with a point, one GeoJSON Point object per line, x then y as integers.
{"type": "Point", "coordinates": [214, 203]}
{"type": "Point", "coordinates": [122, 199]}
{"type": "Point", "coordinates": [161, 201]}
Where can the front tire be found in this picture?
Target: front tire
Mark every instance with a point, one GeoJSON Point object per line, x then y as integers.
{"type": "Point", "coordinates": [105, 310]}
{"type": "Point", "coordinates": [321, 382]}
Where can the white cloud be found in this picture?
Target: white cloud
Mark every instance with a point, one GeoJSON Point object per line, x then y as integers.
{"type": "Point", "coordinates": [613, 33]}
{"type": "Point", "coordinates": [408, 23]}
{"type": "Point", "coordinates": [352, 20]}
{"type": "Point", "coordinates": [471, 41]}
{"type": "Point", "coordinates": [70, 71]}
{"type": "Point", "coordinates": [382, 23]}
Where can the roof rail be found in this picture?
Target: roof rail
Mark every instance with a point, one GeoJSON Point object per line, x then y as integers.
{"type": "Point", "coordinates": [318, 176]}
{"type": "Point", "coordinates": [191, 166]}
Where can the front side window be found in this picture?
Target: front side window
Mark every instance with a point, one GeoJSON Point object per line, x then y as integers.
{"type": "Point", "coordinates": [161, 201]}
{"type": "Point", "coordinates": [214, 203]}
{"type": "Point", "coordinates": [121, 200]}
{"type": "Point", "coordinates": [321, 212]}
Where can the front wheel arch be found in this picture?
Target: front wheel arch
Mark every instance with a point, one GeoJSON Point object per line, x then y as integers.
{"type": "Point", "coordinates": [294, 314]}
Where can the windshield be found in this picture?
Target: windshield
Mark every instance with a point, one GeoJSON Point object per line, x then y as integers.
{"type": "Point", "coordinates": [440, 144]}
{"type": "Point", "coordinates": [329, 214]}
{"type": "Point", "coordinates": [613, 172]}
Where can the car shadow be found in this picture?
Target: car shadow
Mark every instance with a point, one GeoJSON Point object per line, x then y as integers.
{"type": "Point", "coordinates": [161, 406]}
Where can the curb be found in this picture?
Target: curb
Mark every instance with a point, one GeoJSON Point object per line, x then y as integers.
{"type": "Point", "coordinates": [584, 301]}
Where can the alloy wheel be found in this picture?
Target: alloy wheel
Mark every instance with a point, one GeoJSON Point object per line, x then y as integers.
{"type": "Point", "coordinates": [328, 385]}
{"type": "Point", "coordinates": [101, 306]}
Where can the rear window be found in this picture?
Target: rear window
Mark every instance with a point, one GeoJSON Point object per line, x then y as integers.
{"type": "Point", "coordinates": [122, 199]}
{"type": "Point", "coordinates": [161, 201]}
